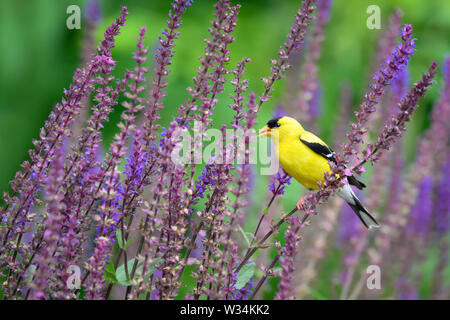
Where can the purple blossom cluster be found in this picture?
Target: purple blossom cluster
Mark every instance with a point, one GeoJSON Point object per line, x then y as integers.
{"type": "Point", "coordinates": [140, 226]}
{"type": "Point", "coordinates": [287, 260]}
{"type": "Point", "coordinates": [308, 101]}
{"type": "Point", "coordinates": [279, 182]}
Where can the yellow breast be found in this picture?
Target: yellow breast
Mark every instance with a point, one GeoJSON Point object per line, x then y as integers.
{"type": "Point", "coordinates": [306, 166]}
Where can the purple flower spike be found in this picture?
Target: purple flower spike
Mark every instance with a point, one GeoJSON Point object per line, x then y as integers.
{"type": "Point", "coordinates": [28, 182]}
{"type": "Point", "coordinates": [109, 176]}
{"type": "Point", "coordinates": [401, 83]}
{"type": "Point", "coordinates": [397, 125]}
{"type": "Point", "coordinates": [46, 261]}
{"type": "Point", "coordinates": [293, 43]}
{"type": "Point", "coordinates": [279, 182]}
{"type": "Point", "coordinates": [441, 208]}
{"type": "Point", "coordinates": [388, 39]}
{"type": "Point", "coordinates": [405, 291]}
{"type": "Point", "coordinates": [240, 85]}
{"type": "Point", "coordinates": [349, 227]}
{"type": "Point", "coordinates": [164, 54]}
{"type": "Point", "coordinates": [288, 254]}
{"type": "Point", "coordinates": [93, 12]}
{"type": "Point", "coordinates": [422, 210]}
{"type": "Point", "coordinates": [389, 70]}
{"type": "Point", "coordinates": [309, 98]}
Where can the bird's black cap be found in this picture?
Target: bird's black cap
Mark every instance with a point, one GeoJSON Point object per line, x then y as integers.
{"type": "Point", "coordinates": [273, 123]}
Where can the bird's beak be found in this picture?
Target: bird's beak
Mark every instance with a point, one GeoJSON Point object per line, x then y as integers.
{"type": "Point", "coordinates": [265, 132]}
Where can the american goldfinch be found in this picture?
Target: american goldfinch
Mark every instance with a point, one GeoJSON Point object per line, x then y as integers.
{"type": "Point", "coordinates": [305, 157]}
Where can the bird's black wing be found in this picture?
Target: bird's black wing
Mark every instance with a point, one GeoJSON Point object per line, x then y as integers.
{"type": "Point", "coordinates": [329, 154]}
{"type": "Point", "coordinates": [321, 149]}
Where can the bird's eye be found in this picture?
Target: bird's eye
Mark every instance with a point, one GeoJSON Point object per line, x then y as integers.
{"type": "Point", "coordinates": [278, 125]}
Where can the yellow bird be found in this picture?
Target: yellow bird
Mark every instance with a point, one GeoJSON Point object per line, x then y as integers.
{"type": "Point", "coordinates": [305, 157]}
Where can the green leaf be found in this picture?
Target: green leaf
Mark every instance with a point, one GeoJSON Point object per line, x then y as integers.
{"type": "Point", "coordinates": [127, 244]}
{"type": "Point", "coordinates": [121, 274]}
{"type": "Point", "coordinates": [30, 273]}
{"type": "Point", "coordinates": [266, 210]}
{"type": "Point", "coordinates": [245, 275]}
{"type": "Point", "coordinates": [244, 234]}
{"type": "Point", "coordinates": [110, 273]}
{"type": "Point", "coordinates": [121, 277]}
{"type": "Point", "coordinates": [120, 240]}
{"type": "Point", "coordinates": [81, 293]}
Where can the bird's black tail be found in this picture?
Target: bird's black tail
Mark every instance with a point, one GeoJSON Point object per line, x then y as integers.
{"type": "Point", "coordinates": [349, 196]}
{"type": "Point", "coordinates": [355, 182]}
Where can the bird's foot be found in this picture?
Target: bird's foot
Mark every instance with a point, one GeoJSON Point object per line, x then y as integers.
{"type": "Point", "coordinates": [301, 204]}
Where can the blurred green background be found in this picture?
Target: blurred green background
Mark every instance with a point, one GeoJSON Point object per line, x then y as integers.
{"type": "Point", "coordinates": [39, 54]}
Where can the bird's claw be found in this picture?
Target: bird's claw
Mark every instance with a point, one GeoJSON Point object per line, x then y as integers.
{"type": "Point", "coordinates": [301, 204]}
